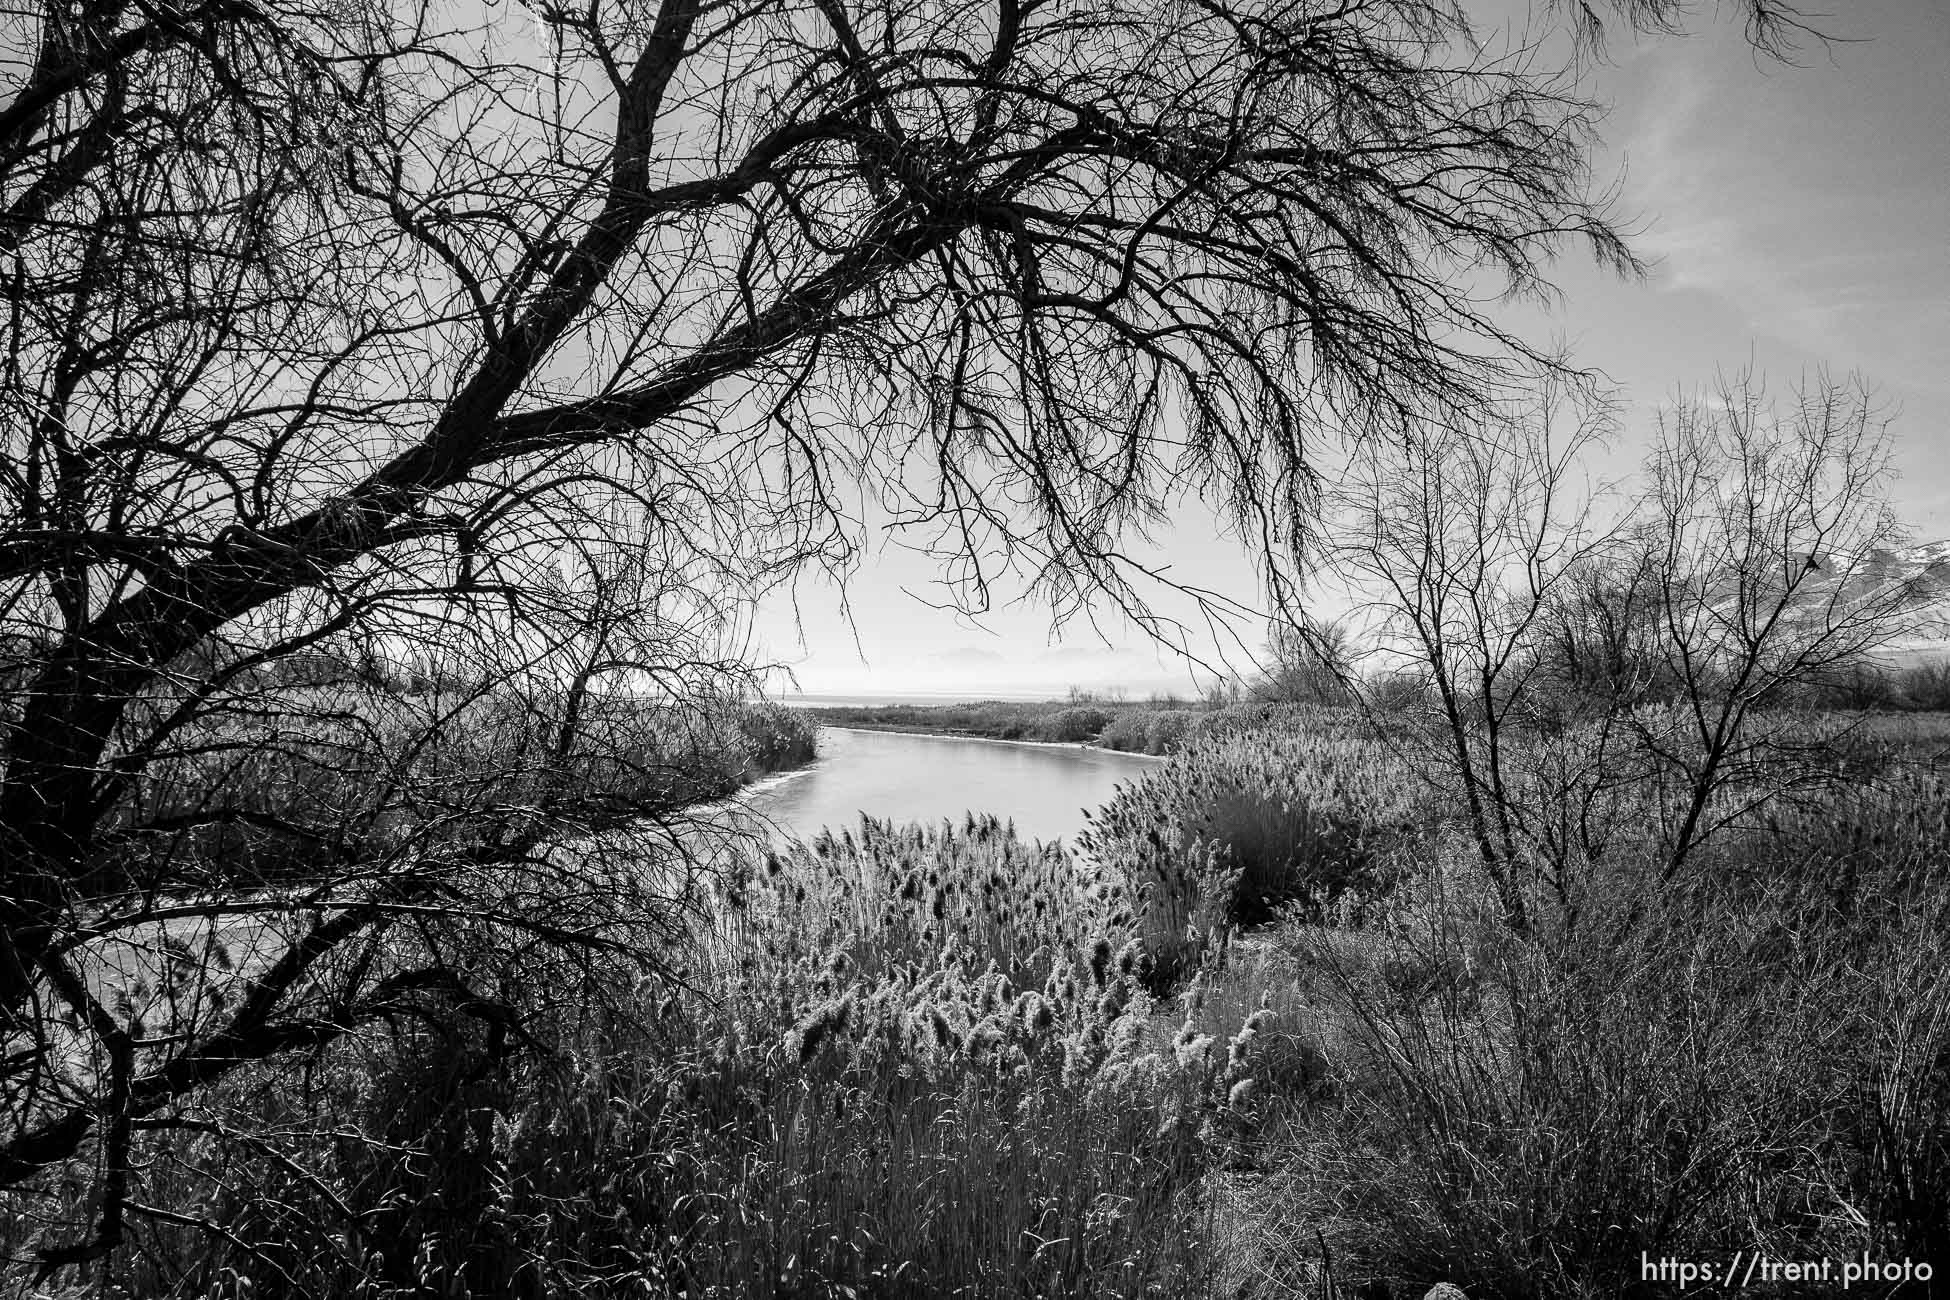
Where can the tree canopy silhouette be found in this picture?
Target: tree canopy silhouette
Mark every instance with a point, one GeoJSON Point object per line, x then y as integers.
{"type": "Point", "coordinates": [352, 328]}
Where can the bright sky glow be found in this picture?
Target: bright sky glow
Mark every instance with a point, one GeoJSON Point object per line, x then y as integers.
{"type": "Point", "coordinates": [1797, 216]}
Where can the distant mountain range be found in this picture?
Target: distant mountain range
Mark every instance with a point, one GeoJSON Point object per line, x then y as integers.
{"type": "Point", "coordinates": [1922, 573]}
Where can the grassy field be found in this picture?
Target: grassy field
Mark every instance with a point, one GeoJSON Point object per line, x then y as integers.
{"type": "Point", "coordinates": [1267, 1033]}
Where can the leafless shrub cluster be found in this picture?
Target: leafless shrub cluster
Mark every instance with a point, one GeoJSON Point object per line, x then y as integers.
{"type": "Point", "coordinates": [1586, 677]}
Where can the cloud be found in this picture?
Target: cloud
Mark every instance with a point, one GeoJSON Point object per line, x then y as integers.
{"type": "Point", "coordinates": [1770, 194]}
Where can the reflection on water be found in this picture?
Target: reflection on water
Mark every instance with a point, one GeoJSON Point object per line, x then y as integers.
{"type": "Point", "coordinates": [1042, 788]}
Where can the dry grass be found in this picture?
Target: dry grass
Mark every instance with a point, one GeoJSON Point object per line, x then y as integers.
{"type": "Point", "coordinates": [913, 1062]}
{"type": "Point", "coordinates": [942, 1062]}
{"type": "Point", "coordinates": [1732, 1069]}
{"type": "Point", "coordinates": [1249, 817]}
{"type": "Point", "coordinates": [250, 794]}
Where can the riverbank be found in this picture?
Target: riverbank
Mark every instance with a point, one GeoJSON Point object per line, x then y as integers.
{"type": "Point", "coordinates": [971, 738]}
{"type": "Point", "coordinates": [1151, 727]}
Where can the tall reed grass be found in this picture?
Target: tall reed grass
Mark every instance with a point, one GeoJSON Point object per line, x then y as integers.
{"type": "Point", "coordinates": [1257, 812]}
{"type": "Point", "coordinates": [902, 1062]}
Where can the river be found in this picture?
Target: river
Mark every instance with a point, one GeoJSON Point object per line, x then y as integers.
{"type": "Point", "coordinates": [1042, 788]}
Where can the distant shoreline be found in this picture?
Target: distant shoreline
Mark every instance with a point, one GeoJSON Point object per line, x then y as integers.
{"type": "Point", "coordinates": [919, 733]}
{"type": "Point", "coordinates": [1150, 727]}
{"type": "Point", "coordinates": [914, 700]}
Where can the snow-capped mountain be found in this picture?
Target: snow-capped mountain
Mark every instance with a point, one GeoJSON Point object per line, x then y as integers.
{"type": "Point", "coordinates": [1919, 575]}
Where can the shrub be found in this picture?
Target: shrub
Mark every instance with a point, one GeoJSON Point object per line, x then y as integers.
{"type": "Point", "coordinates": [1396, 692]}
{"type": "Point", "coordinates": [1850, 686]}
{"type": "Point", "coordinates": [1126, 732]}
{"type": "Point", "coordinates": [1166, 730]}
{"type": "Point", "coordinates": [1926, 686]}
{"type": "Point", "coordinates": [1263, 815]}
{"type": "Point", "coordinates": [776, 737]}
{"type": "Point", "coordinates": [1000, 721]}
{"type": "Point", "coordinates": [1729, 1068]}
{"type": "Point", "coordinates": [1074, 725]}
{"type": "Point", "coordinates": [1147, 731]}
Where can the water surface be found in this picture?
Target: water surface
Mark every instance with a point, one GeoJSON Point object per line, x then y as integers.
{"type": "Point", "coordinates": [1042, 788]}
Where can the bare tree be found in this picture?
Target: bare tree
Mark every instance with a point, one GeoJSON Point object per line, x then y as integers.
{"type": "Point", "coordinates": [329, 329]}
{"type": "Point", "coordinates": [1462, 539]}
{"type": "Point", "coordinates": [1765, 540]}
{"type": "Point", "coordinates": [1310, 660]}
{"type": "Point", "coordinates": [1602, 645]}
{"type": "Point", "coordinates": [1587, 679]}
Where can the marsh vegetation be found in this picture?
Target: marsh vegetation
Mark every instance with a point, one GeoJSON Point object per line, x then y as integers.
{"type": "Point", "coordinates": [405, 409]}
{"type": "Point", "coordinates": [1266, 1029]}
{"type": "Point", "coordinates": [1149, 727]}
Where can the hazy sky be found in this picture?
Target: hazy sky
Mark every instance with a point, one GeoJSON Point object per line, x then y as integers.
{"type": "Point", "coordinates": [1797, 216]}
